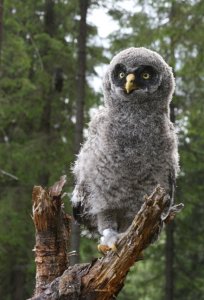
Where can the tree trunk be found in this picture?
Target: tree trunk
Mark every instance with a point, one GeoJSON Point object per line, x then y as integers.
{"type": "Point", "coordinates": [1, 29]}
{"type": "Point", "coordinates": [49, 22]}
{"type": "Point", "coordinates": [49, 28]}
{"type": "Point", "coordinates": [169, 254]}
{"type": "Point", "coordinates": [18, 281]}
{"type": "Point", "coordinates": [169, 247]}
{"type": "Point", "coordinates": [80, 101]}
{"type": "Point", "coordinates": [103, 278]}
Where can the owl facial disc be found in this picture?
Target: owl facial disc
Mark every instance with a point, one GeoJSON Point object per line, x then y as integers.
{"type": "Point", "coordinates": [130, 80]}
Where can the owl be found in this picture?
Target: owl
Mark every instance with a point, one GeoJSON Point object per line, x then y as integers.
{"type": "Point", "coordinates": [131, 145]}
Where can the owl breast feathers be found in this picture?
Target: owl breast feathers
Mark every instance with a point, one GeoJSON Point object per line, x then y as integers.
{"type": "Point", "coordinates": [131, 146]}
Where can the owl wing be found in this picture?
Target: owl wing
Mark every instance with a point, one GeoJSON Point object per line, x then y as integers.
{"type": "Point", "coordinates": [82, 170]}
{"type": "Point", "coordinates": [81, 193]}
{"type": "Point", "coordinates": [174, 167]}
{"type": "Point", "coordinates": [170, 189]}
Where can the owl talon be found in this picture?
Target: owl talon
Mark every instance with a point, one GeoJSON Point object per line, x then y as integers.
{"type": "Point", "coordinates": [105, 248]}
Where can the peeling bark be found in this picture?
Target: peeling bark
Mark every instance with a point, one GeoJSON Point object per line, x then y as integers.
{"type": "Point", "coordinates": [52, 234]}
{"type": "Point", "coordinates": [103, 278]}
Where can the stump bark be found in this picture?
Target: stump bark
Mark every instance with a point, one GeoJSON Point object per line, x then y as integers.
{"type": "Point", "coordinates": [103, 278]}
{"type": "Point", "coordinates": [52, 234]}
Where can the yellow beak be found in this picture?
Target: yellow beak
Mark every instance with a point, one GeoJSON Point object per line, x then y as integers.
{"type": "Point", "coordinates": [130, 83]}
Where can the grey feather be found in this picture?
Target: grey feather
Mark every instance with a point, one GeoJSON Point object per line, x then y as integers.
{"type": "Point", "coordinates": [131, 146]}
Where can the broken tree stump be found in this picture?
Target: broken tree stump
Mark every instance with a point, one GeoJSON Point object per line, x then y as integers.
{"type": "Point", "coordinates": [52, 226]}
{"type": "Point", "coordinates": [103, 278]}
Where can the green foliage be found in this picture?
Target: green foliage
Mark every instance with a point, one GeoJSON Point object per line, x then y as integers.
{"type": "Point", "coordinates": [36, 124]}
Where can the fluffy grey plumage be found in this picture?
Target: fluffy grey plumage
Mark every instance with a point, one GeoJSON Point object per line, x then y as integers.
{"type": "Point", "coordinates": [131, 146]}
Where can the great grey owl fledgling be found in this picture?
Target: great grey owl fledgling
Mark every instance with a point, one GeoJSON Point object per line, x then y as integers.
{"type": "Point", "coordinates": [131, 147]}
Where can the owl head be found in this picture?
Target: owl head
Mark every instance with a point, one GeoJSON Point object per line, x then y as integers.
{"type": "Point", "coordinates": [138, 76]}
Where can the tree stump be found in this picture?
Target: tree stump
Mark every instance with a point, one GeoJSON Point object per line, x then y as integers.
{"type": "Point", "coordinates": [52, 234]}
{"type": "Point", "coordinates": [103, 278]}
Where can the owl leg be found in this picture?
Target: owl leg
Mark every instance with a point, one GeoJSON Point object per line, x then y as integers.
{"type": "Point", "coordinates": [107, 227]}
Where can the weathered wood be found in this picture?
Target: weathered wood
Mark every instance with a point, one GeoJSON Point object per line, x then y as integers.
{"type": "Point", "coordinates": [52, 234]}
{"type": "Point", "coordinates": [103, 278]}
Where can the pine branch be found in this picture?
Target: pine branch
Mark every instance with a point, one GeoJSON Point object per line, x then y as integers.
{"type": "Point", "coordinates": [104, 278]}
{"type": "Point", "coordinates": [8, 174]}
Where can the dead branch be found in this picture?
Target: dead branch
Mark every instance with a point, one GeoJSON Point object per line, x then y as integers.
{"type": "Point", "coordinates": [103, 278]}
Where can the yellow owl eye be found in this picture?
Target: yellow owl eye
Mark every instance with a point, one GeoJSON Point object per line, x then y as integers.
{"type": "Point", "coordinates": [146, 76]}
{"type": "Point", "coordinates": [122, 75]}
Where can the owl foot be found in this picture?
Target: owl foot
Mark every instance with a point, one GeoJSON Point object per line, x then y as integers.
{"type": "Point", "coordinates": [108, 241]}
{"type": "Point", "coordinates": [104, 248]}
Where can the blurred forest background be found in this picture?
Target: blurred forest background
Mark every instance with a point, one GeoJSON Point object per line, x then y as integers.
{"type": "Point", "coordinates": [46, 48]}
